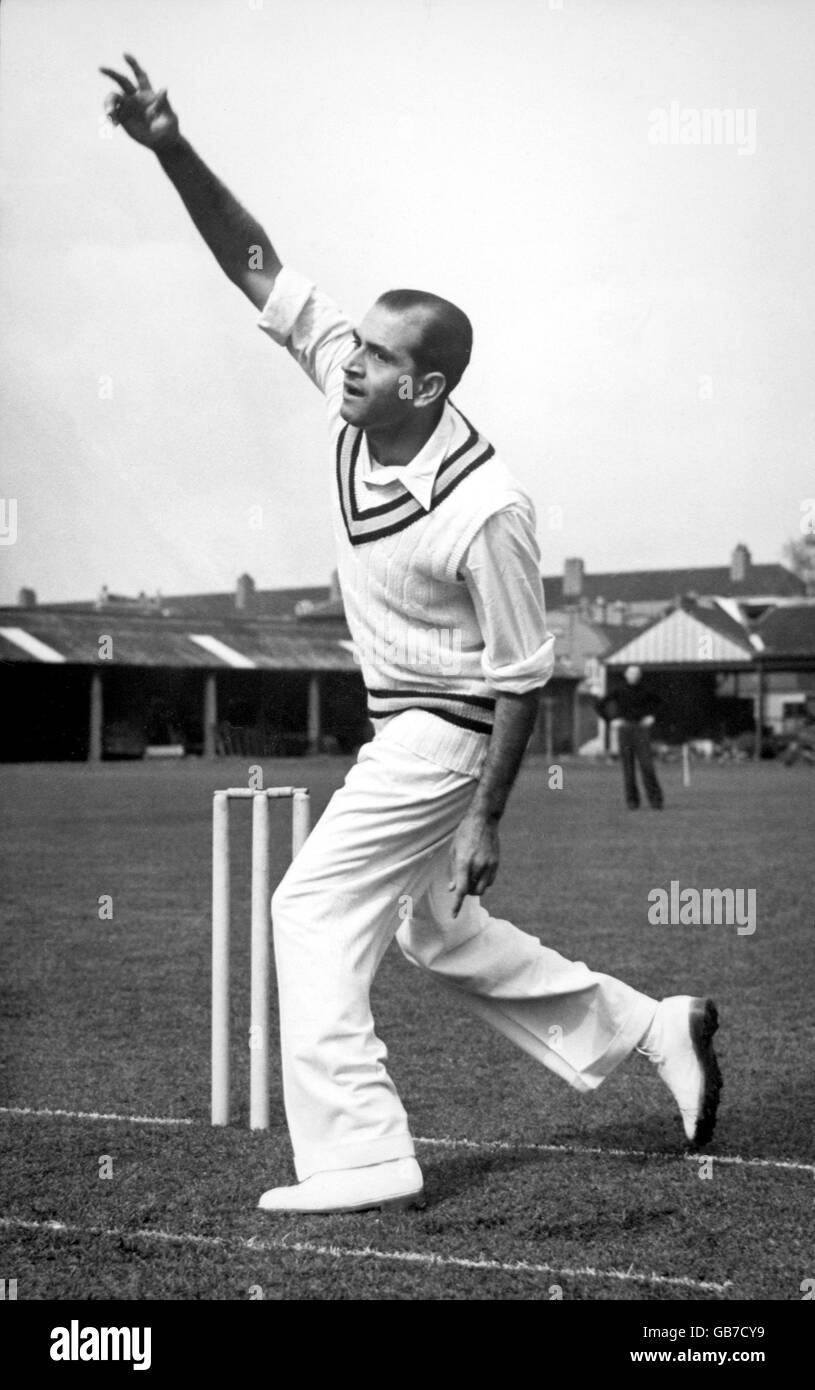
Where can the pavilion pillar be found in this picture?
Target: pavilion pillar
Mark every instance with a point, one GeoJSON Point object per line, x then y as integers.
{"type": "Point", "coordinates": [314, 729]}
{"type": "Point", "coordinates": [97, 716]}
{"type": "Point", "coordinates": [575, 717]}
{"type": "Point", "coordinates": [548, 711]}
{"type": "Point", "coordinates": [210, 714]}
{"type": "Point", "coordinates": [760, 687]}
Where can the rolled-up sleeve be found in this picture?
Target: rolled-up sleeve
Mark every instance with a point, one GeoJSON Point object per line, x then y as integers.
{"type": "Point", "coordinates": [501, 569]}
{"type": "Point", "coordinates": [310, 326]}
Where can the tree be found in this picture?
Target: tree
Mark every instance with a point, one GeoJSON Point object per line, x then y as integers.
{"type": "Point", "coordinates": [800, 556]}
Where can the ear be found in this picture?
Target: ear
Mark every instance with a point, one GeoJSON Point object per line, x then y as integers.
{"type": "Point", "coordinates": [430, 389]}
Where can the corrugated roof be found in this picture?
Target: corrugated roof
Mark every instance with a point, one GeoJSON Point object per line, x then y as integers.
{"type": "Point", "coordinates": [148, 640]}
{"type": "Point", "coordinates": [657, 586]}
{"type": "Point", "coordinates": [696, 637]}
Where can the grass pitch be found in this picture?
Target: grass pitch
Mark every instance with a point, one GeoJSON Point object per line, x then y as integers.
{"type": "Point", "coordinates": [533, 1191]}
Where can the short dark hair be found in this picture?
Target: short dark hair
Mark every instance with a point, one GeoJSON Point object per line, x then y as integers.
{"type": "Point", "coordinates": [447, 334]}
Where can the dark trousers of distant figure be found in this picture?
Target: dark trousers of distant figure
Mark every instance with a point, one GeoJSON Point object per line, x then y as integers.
{"type": "Point", "coordinates": [635, 747]}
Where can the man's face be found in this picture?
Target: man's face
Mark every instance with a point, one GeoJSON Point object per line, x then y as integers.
{"type": "Point", "coordinates": [381, 375]}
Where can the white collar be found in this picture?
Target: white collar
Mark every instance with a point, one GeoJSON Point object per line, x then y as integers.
{"type": "Point", "coordinates": [419, 475]}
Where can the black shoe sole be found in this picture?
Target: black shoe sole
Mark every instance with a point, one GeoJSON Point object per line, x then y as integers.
{"type": "Point", "coordinates": [703, 1024]}
{"type": "Point", "coordinates": [415, 1201]}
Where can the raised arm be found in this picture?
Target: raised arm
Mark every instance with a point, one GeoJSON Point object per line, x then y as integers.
{"type": "Point", "coordinates": [238, 243]}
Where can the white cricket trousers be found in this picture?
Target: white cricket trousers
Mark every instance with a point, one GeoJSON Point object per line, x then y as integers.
{"type": "Point", "coordinates": [376, 866]}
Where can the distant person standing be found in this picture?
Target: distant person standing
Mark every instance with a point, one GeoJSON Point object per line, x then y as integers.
{"type": "Point", "coordinates": [631, 709]}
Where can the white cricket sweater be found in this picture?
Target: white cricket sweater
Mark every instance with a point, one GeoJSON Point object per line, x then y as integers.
{"type": "Point", "coordinates": [409, 610]}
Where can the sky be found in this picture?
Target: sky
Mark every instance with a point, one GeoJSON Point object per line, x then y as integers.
{"type": "Point", "coordinates": [639, 273]}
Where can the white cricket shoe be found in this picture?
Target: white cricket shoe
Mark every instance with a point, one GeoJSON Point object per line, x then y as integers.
{"type": "Point", "coordinates": [397, 1184]}
{"type": "Point", "coordinates": [680, 1044]}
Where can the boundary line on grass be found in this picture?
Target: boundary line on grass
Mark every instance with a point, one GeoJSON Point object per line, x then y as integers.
{"type": "Point", "coordinates": [339, 1252]}
{"type": "Point", "coordinates": [485, 1145]}
{"type": "Point", "coordinates": [92, 1115]}
{"type": "Point", "coordinates": [510, 1146]}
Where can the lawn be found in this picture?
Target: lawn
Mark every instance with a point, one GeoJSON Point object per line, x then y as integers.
{"type": "Point", "coordinates": [534, 1192]}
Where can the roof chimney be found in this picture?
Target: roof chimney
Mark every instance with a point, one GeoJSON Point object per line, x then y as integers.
{"type": "Point", "coordinates": [740, 564]}
{"type": "Point", "coordinates": [572, 578]}
{"type": "Point", "coordinates": [26, 598]}
{"type": "Point", "coordinates": [245, 594]}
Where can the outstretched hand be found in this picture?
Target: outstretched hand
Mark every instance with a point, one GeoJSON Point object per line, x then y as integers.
{"type": "Point", "coordinates": [146, 115]}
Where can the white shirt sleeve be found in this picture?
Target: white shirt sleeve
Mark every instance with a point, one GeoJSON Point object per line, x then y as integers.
{"type": "Point", "coordinates": [310, 326]}
{"type": "Point", "coordinates": [501, 569]}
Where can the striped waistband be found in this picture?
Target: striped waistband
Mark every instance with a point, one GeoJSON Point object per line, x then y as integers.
{"type": "Point", "coordinates": [474, 712]}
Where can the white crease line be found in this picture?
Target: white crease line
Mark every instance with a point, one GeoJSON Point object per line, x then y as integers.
{"type": "Point", "coordinates": [485, 1145]}
{"type": "Point", "coordinates": [339, 1252]}
{"type": "Point", "coordinates": [500, 1145]}
{"type": "Point", "coordinates": [92, 1115]}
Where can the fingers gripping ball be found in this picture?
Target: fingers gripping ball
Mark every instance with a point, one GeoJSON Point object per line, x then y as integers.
{"type": "Point", "coordinates": [145, 114]}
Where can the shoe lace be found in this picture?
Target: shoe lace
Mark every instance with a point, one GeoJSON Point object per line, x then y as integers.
{"type": "Point", "coordinates": [649, 1045]}
{"type": "Point", "coordinates": [654, 1053]}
